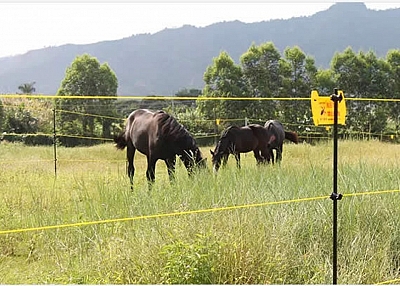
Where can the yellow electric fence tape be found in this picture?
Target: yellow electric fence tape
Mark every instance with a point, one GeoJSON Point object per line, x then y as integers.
{"type": "Point", "coordinates": [217, 209]}
{"type": "Point", "coordinates": [322, 109]}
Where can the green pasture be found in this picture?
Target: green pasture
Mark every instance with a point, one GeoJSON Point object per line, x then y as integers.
{"type": "Point", "coordinates": [256, 225]}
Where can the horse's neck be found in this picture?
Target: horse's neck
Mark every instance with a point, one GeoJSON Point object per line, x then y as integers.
{"type": "Point", "coordinates": [186, 144]}
{"type": "Point", "coordinates": [230, 144]}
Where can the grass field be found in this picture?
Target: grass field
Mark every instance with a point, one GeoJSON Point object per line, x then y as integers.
{"type": "Point", "coordinates": [257, 225]}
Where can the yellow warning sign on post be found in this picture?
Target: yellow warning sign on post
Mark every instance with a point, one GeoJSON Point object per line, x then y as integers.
{"type": "Point", "coordinates": [322, 109]}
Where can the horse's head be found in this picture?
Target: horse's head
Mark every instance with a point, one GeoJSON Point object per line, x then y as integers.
{"type": "Point", "coordinates": [220, 153]}
{"type": "Point", "coordinates": [200, 161]}
{"type": "Point", "coordinates": [193, 159]}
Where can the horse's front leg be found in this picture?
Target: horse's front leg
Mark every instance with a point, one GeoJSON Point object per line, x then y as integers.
{"type": "Point", "coordinates": [266, 155]}
{"type": "Point", "coordinates": [170, 162]}
{"type": "Point", "coordinates": [150, 173]}
{"type": "Point", "coordinates": [259, 158]}
{"type": "Point", "coordinates": [237, 157]}
{"type": "Point", "coordinates": [130, 154]}
{"type": "Point", "coordinates": [225, 159]}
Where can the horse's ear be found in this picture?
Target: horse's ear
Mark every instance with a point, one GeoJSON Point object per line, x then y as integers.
{"type": "Point", "coordinates": [212, 153]}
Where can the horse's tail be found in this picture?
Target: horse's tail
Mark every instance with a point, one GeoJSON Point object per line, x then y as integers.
{"type": "Point", "coordinates": [292, 136]}
{"type": "Point", "coordinates": [120, 141]}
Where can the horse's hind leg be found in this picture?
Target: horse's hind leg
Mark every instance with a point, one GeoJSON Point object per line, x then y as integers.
{"type": "Point", "coordinates": [259, 158]}
{"type": "Point", "coordinates": [170, 162]}
{"type": "Point", "coordinates": [279, 152]}
{"type": "Point", "coordinates": [130, 154]}
{"type": "Point", "coordinates": [271, 154]}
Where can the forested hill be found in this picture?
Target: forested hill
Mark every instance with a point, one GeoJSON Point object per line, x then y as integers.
{"type": "Point", "coordinates": [173, 59]}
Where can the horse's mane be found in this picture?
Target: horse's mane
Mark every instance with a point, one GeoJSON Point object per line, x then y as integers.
{"type": "Point", "coordinates": [172, 129]}
{"type": "Point", "coordinates": [227, 131]}
{"type": "Point", "coordinates": [227, 136]}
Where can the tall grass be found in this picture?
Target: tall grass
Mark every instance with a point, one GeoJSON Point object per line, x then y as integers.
{"type": "Point", "coordinates": [288, 241]}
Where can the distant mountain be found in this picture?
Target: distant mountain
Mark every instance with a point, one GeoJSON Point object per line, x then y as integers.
{"type": "Point", "coordinates": [173, 59]}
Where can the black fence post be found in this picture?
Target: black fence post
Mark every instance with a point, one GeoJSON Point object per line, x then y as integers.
{"type": "Point", "coordinates": [336, 98]}
{"type": "Point", "coordinates": [55, 142]}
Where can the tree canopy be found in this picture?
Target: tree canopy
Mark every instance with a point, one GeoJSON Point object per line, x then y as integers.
{"type": "Point", "coordinates": [273, 83]}
{"type": "Point", "coordinates": [27, 88]}
{"type": "Point", "coordinates": [87, 77]}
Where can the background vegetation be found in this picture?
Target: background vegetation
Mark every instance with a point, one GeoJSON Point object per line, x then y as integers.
{"type": "Point", "coordinates": [278, 243]}
{"type": "Point", "coordinates": [272, 85]}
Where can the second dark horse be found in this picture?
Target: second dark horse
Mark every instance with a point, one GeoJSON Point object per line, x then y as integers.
{"type": "Point", "coordinates": [276, 134]}
{"type": "Point", "coordinates": [235, 140]}
{"type": "Point", "coordinates": [158, 135]}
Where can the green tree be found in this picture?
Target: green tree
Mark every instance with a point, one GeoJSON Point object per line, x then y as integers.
{"type": "Point", "coordinates": [1, 115]}
{"type": "Point", "coordinates": [27, 88]}
{"type": "Point", "coordinates": [153, 104]}
{"type": "Point", "coordinates": [25, 115]}
{"type": "Point", "coordinates": [299, 78]}
{"type": "Point", "coordinates": [223, 79]}
{"type": "Point", "coordinates": [192, 93]}
{"type": "Point", "coordinates": [349, 69]}
{"type": "Point", "coordinates": [378, 78]}
{"type": "Point", "coordinates": [325, 82]}
{"type": "Point", "coordinates": [87, 77]}
{"type": "Point", "coordinates": [363, 75]}
{"type": "Point", "coordinates": [261, 68]}
{"type": "Point", "coordinates": [393, 59]}
{"type": "Point", "coordinates": [20, 120]}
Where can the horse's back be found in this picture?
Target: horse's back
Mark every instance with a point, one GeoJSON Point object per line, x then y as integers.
{"type": "Point", "coordinates": [242, 133]}
{"type": "Point", "coordinates": [275, 133]}
{"type": "Point", "coordinates": [142, 129]}
{"type": "Point", "coordinates": [275, 126]}
{"type": "Point", "coordinates": [245, 139]}
{"type": "Point", "coordinates": [158, 133]}
{"type": "Point", "coordinates": [273, 123]}
{"type": "Point", "coordinates": [139, 117]}
{"type": "Point", "coordinates": [144, 115]}
{"type": "Point", "coordinates": [259, 132]}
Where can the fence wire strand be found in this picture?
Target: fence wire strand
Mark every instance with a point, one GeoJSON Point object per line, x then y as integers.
{"type": "Point", "coordinates": [200, 98]}
{"type": "Point", "coordinates": [189, 212]}
{"type": "Point", "coordinates": [78, 224]}
{"type": "Point", "coordinates": [389, 282]}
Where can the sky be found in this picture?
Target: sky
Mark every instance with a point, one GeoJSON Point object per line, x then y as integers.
{"type": "Point", "coordinates": [30, 25]}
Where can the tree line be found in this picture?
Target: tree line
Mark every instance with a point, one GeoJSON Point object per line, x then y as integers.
{"type": "Point", "coordinates": [264, 73]}
{"type": "Point", "coordinates": [274, 83]}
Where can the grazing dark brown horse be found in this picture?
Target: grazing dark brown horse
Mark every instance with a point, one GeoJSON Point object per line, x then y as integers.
{"type": "Point", "coordinates": [235, 140]}
{"type": "Point", "coordinates": [158, 135]}
{"type": "Point", "coordinates": [276, 134]}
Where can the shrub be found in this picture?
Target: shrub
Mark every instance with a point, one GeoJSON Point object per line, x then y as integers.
{"type": "Point", "coordinates": [190, 263]}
